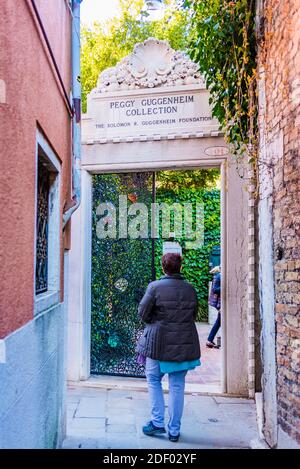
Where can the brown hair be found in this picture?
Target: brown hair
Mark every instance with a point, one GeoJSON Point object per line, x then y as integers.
{"type": "Point", "coordinates": [171, 263]}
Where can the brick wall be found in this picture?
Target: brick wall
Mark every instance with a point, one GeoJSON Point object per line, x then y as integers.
{"type": "Point", "coordinates": [279, 56]}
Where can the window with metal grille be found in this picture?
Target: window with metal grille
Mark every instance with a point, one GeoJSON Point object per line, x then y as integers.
{"type": "Point", "coordinates": [42, 227]}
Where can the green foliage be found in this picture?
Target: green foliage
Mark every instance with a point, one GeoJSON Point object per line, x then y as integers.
{"type": "Point", "coordinates": [196, 261]}
{"type": "Point", "coordinates": [107, 43]}
{"type": "Point", "coordinates": [224, 44]}
{"type": "Point", "coordinates": [174, 180]}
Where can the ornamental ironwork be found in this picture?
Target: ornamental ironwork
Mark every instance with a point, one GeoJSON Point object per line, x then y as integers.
{"type": "Point", "coordinates": [121, 271]}
{"type": "Point", "coordinates": [41, 277]}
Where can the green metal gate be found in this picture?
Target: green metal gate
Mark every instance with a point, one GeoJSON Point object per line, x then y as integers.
{"type": "Point", "coordinates": [121, 270]}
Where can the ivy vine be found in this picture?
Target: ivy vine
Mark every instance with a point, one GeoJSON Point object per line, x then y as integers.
{"type": "Point", "coordinates": [224, 45]}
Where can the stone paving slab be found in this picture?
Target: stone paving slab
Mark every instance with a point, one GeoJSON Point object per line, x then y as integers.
{"type": "Point", "coordinates": [83, 443]}
{"type": "Point", "coordinates": [91, 407]}
{"type": "Point", "coordinates": [232, 400]}
{"type": "Point", "coordinates": [120, 403]}
{"type": "Point", "coordinates": [112, 383]}
{"type": "Point", "coordinates": [209, 373]}
{"type": "Point", "coordinates": [86, 427]}
{"type": "Point", "coordinates": [121, 428]}
{"type": "Point", "coordinates": [113, 419]}
{"type": "Point", "coordinates": [122, 442]}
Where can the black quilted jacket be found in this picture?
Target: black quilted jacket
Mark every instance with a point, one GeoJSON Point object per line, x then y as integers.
{"type": "Point", "coordinates": [169, 309]}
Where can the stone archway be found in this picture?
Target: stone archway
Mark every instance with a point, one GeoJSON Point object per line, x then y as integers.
{"type": "Point", "coordinates": [152, 112]}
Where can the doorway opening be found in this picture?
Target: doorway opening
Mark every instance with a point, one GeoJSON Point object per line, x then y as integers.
{"type": "Point", "coordinates": [136, 218]}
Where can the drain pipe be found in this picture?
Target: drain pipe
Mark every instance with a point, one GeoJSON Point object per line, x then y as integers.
{"type": "Point", "coordinates": [76, 131]}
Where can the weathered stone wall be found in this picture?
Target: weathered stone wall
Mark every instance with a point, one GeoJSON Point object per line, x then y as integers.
{"type": "Point", "coordinates": [279, 67]}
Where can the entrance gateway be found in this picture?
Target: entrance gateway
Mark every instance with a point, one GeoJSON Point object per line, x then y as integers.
{"type": "Point", "coordinates": [151, 112]}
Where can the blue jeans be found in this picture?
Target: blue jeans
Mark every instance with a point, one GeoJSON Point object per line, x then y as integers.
{"type": "Point", "coordinates": [215, 328]}
{"type": "Point", "coordinates": [176, 396]}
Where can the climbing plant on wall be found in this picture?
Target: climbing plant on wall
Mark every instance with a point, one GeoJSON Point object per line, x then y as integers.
{"type": "Point", "coordinates": [224, 45]}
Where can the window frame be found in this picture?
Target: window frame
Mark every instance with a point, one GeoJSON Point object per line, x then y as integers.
{"type": "Point", "coordinates": [50, 297]}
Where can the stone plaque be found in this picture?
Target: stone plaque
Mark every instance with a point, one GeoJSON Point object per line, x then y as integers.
{"type": "Point", "coordinates": [216, 151]}
{"type": "Point", "coordinates": [161, 112]}
{"type": "Point", "coordinates": [153, 92]}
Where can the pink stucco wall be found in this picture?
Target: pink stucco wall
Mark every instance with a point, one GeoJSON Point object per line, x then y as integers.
{"type": "Point", "coordinates": [33, 99]}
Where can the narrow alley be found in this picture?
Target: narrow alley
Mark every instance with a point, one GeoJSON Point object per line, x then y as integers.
{"type": "Point", "coordinates": [150, 227]}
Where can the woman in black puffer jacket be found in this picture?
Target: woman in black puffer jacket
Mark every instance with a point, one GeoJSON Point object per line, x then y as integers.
{"type": "Point", "coordinates": [170, 342]}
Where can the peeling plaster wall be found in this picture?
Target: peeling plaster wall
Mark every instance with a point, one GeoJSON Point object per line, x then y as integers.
{"type": "Point", "coordinates": [236, 281]}
{"type": "Point", "coordinates": [266, 280]}
{"type": "Point", "coordinates": [268, 334]}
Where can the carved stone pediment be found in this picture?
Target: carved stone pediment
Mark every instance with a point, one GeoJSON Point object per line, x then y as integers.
{"type": "Point", "coordinates": [153, 63]}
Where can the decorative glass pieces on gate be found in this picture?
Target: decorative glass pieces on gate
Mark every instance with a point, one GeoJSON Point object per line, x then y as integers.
{"type": "Point", "coordinates": [121, 271]}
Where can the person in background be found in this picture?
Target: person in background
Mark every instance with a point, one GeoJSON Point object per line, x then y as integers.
{"type": "Point", "coordinates": [215, 301]}
{"type": "Point", "coordinates": [170, 343]}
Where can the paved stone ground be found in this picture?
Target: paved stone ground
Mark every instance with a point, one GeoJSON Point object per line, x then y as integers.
{"type": "Point", "coordinates": [111, 419]}
{"type": "Point", "coordinates": [210, 370]}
